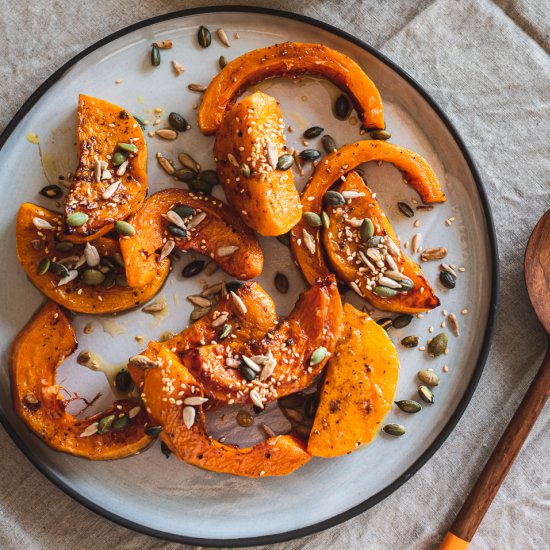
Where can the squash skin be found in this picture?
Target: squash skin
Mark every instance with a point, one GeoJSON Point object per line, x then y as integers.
{"type": "Point", "coordinates": [314, 322]}
{"type": "Point", "coordinates": [358, 389]}
{"type": "Point", "coordinates": [267, 200]}
{"type": "Point", "coordinates": [222, 227]}
{"type": "Point", "coordinates": [420, 298]}
{"type": "Point", "coordinates": [290, 59]}
{"type": "Point", "coordinates": [277, 456]}
{"type": "Point", "coordinates": [95, 138]}
{"type": "Point", "coordinates": [112, 300]}
{"type": "Point", "coordinates": [35, 354]}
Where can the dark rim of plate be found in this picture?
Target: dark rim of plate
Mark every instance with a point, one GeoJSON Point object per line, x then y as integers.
{"type": "Point", "coordinates": [446, 430]}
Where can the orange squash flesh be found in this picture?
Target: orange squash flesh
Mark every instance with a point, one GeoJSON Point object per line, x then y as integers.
{"type": "Point", "coordinates": [266, 198]}
{"type": "Point", "coordinates": [221, 228]}
{"type": "Point", "coordinates": [33, 245]}
{"type": "Point", "coordinates": [36, 353]}
{"type": "Point", "coordinates": [101, 127]}
{"type": "Point", "coordinates": [290, 59]}
{"type": "Point", "coordinates": [341, 240]}
{"type": "Point", "coordinates": [358, 389]}
{"type": "Point", "coordinates": [164, 390]}
{"type": "Point", "coordinates": [314, 323]}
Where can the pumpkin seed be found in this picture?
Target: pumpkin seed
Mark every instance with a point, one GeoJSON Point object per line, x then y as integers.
{"type": "Point", "coordinates": [310, 154]}
{"type": "Point", "coordinates": [123, 381]}
{"type": "Point", "coordinates": [51, 191]}
{"type": "Point", "coordinates": [193, 268]}
{"type": "Point", "coordinates": [104, 425]}
{"type": "Point", "coordinates": [285, 162]}
{"type": "Point", "coordinates": [342, 106]}
{"type": "Point", "coordinates": [153, 431]}
{"type": "Point", "coordinates": [410, 341]}
{"type": "Point", "coordinates": [167, 133]}
{"type": "Point", "coordinates": [155, 55]}
{"type": "Point", "coordinates": [118, 158]}
{"type": "Point", "coordinates": [129, 147]}
{"type": "Point", "coordinates": [380, 134]}
{"type": "Point", "coordinates": [426, 394]}
{"type": "Point", "coordinates": [334, 198]}
{"type": "Point", "coordinates": [406, 284]}
{"type": "Point", "coordinates": [177, 122]}
{"type": "Point", "coordinates": [385, 322]}
{"type": "Point", "coordinates": [318, 355]}
{"type": "Point", "coordinates": [224, 332]}
{"type": "Point", "coordinates": [184, 174]}
{"type": "Point", "coordinates": [92, 277]}
{"type": "Point", "coordinates": [200, 186]}
{"type": "Point", "coordinates": [140, 121]}
{"type": "Point", "coordinates": [438, 344]}
{"type": "Point", "coordinates": [177, 231]}
{"type": "Point", "coordinates": [64, 246]}
{"type": "Point", "coordinates": [121, 280]}
{"type": "Point", "coordinates": [77, 219]}
{"type": "Point", "coordinates": [366, 231]}
{"type": "Point", "coordinates": [313, 132]}
{"type": "Point", "coordinates": [43, 266]}
{"type": "Point", "coordinates": [429, 377]}
{"type": "Point", "coordinates": [394, 429]}
{"type": "Point", "coordinates": [188, 161]}
{"type": "Point", "coordinates": [292, 401]}
{"type": "Point", "coordinates": [204, 36]}
{"type": "Point", "coordinates": [247, 372]}
{"type": "Point", "coordinates": [328, 143]}
{"type": "Point", "coordinates": [409, 406]}
{"type": "Point", "coordinates": [447, 280]}
{"type": "Point", "coordinates": [256, 398]}
{"type": "Point", "coordinates": [210, 177]}
{"type": "Point", "coordinates": [120, 423]}
{"type": "Point", "coordinates": [184, 211]}
{"type": "Point", "coordinates": [281, 283]}
{"type": "Point", "coordinates": [110, 279]}
{"type": "Point", "coordinates": [325, 219]}
{"type": "Point", "coordinates": [312, 219]}
{"type": "Point", "coordinates": [384, 291]}
{"type": "Point", "coordinates": [244, 419]}
{"type": "Point", "coordinates": [59, 269]}
{"type": "Point", "coordinates": [373, 242]}
{"type": "Point", "coordinates": [124, 228]}
{"type": "Point", "coordinates": [405, 209]}
{"type": "Point", "coordinates": [233, 286]}
{"type": "Point", "coordinates": [222, 61]}
{"type": "Point", "coordinates": [401, 321]}
{"type": "Point", "coordinates": [311, 406]}
{"type": "Point", "coordinates": [165, 450]}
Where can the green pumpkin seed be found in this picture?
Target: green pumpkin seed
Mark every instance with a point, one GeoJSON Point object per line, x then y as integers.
{"type": "Point", "coordinates": [401, 321]}
{"type": "Point", "coordinates": [110, 279]}
{"type": "Point", "coordinates": [318, 355]}
{"type": "Point", "coordinates": [184, 211]}
{"type": "Point", "coordinates": [92, 277]}
{"type": "Point", "coordinates": [222, 61]}
{"type": "Point", "coordinates": [380, 134]}
{"type": "Point", "coordinates": [406, 284]}
{"type": "Point", "coordinates": [281, 283]}
{"type": "Point", "coordinates": [342, 107]}
{"type": "Point", "coordinates": [429, 377]}
{"type": "Point", "coordinates": [325, 219]}
{"type": "Point", "coordinates": [245, 170]}
{"type": "Point", "coordinates": [128, 147]}
{"type": "Point", "coordinates": [123, 381]}
{"type": "Point", "coordinates": [224, 332]}
{"type": "Point", "coordinates": [438, 344]}
{"type": "Point", "coordinates": [105, 424]}
{"type": "Point", "coordinates": [285, 162]}
{"type": "Point", "coordinates": [334, 198]}
{"type": "Point", "coordinates": [43, 266]}
{"type": "Point", "coordinates": [204, 37]}
{"type": "Point", "coordinates": [310, 154]}
{"type": "Point", "coordinates": [329, 144]}
{"type": "Point", "coordinates": [405, 209]}
{"type": "Point", "coordinates": [118, 158]}
{"type": "Point", "coordinates": [311, 405]}
{"type": "Point", "coordinates": [51, 191]}
{"type": "Point", "coordinates": [384, 291]}
{"type": "Point", "coordinates": [184, 174]}
{"type": "Point", "coordinates": [177, 231]}
{"type": "Point", "coordinates": [140, 121]}
{"type": "Point", "coordinates": [366, 230]}
{"type": "Point", "coordinates": [155, 55]}
{"type": "Point", "coordinates": [120, 423]}
{"type": "Point", "coordinates": [177, 122]}
{"type": "Point", "coordinates": [59, 269]}
{"type": "Point", "coordinates": [200, 186]}
{"type": "Point", "coordinates": [64, 246]}
{"type": "Point", "coordinates": [386, 323]}
{"type": "Point", "coordinates": [409, 406]}
{"type": "Point", "coordinates": [394, 429]}
{"type": "Point", "coordinates": [193, 268]}
{"type": "Point", "coordinates": [426, 394]}
{"type": "Point", "coordinates": [121, 280]}
{"type": "Point", "coordinates": [210, 177]}
{"type": "Point", "coordinates": [312, 219]}
{"type": "Point", "coordinates": [77, 219]}
{"type": "Point", "coordinates": [373, 242]}
{"type": "Point", "coordinates": [410, 341]}
{"type": "Point", "coordinates": [124, 228]}
{"type": "Point", "coordinates": [284, 239]}
{"type": "Point", "coordinates": [165, 449]}
{"type": "Point", "coordinates": [153, 431]}
{"type": "Point", "coordinates": [247, 372]}
{"type": "Point", "coordinates": [447, 280]}
{"type": "Point", "coordinates": [313, 132]}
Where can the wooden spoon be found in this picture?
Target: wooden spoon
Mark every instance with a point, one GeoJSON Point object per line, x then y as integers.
{"type": "Point", "coordinates": [537, 278]}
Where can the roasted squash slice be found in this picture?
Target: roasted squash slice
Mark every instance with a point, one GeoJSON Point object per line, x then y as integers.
{"type": "Point", "coordinates": [36, 247]}
{"type": "Point", "coordinates": [36, 353]}
{"type": "Point", "coordinates": [358, 389]}
{"type": "Point", "coordinates": [285, 361]}
{"type": "Point", "coordinates": [166, 388]}
{"type": "Point", "coordinates": [342, 240]}
{"type": "Point", "coordinates": [213, 229]}
{"type": "Point", "coordinates": [103, 189]}
{"type": "Point", "coordinates": [248, 145]}
{"type": "Point", "coordinates": [290, 59]}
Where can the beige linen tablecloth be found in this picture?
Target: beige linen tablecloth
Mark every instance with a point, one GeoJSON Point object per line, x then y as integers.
{"type": "Point", "coordinates": [486, 63]}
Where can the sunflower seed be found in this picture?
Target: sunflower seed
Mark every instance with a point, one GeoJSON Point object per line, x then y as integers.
{"type": "Point", "coordinates": [178, 67]}
{"type": "Point", "coordinates": [223, 251]}
{"type": "Point", "coordinates": [175, 218]}
{"type": "Point", "coordinates": [211, 290]}
{"type": "Point", "coordinates": [122, 168]}
{"type": "Point", "coordinates": [402, 321]}
{"type": "Point", "coordinates": [251, 364]}
{"type": "Point", "coordinates": [143, 362]}
{"type": "Point", "coordinates": [394, 429]}
{"type": "Point", "coordinates": [433, 253]}
{"type": "Point", "coordinates": [177, 122]}
{"type": "Point", "coordinates": [342, 107]}
{"type": "Point", "coordinates": [194, 221]}
{"type": "Point", "coordinates": [239, 304]}
{"type": "Point", "coordinates": [268, 431]}
{"type": "Point", "coordinates": [177, 231]}
{"type": "Point", "coordinates": [310, 154]}
{"type": "Point", "coordinates": [223, 37]}
{"type": "Point", "coordinates": [111, 190]}
{"type": "Point", "coordinates": [153, 431]}
{"type": "Point", "coordinates": [220, 321]}
{"type": "Point", "coordinates": [353, 285]}
{"type": "Point", "coordinates": [167, 250]}
{"type": "Point", "coordinates": [73, 274]}
{"type": "Point", "coordinates": [194, 401]}
{"type": "Point", "coordinates": [199, 301]}
{"type": "Point", "coordinates": [415, 243]}
{"type": "Point", "coordinates": [268, 367]}
{"type": "Point", "coordinates": [154, 308]}
{"type": "Point", "coordinates": [199, 313]}
{"type": "Point", "coordinates": [164, 44]}
{"type": "Point", "coordinates": [188, 416]}
{"type": "Point", "coordinates": [386, 323]}
{"type": "Point", "coordinates": [352, 194]}
{"type": "Point", "coordinates": [309, 241]}
{"type": "Point", "coordinates": [246, 372]}
{"type": "Point", "coordinates": [91, 254]}
{"type": "Point", "coordinates": [448, 269]}
{"type": "Point", "coordinates": [189, 162]}
{"type": "Point", "coordinates": [90, 430]}
{"type": "Point", "coordinates": [167, 133]}
{"type": "Point", "coordinates": [447, 280]}
{"type": "Point", "coordinates": [166, 165]}
{"type": "Point", "coordinates": [390, 283]}
{"type": "Point", "coordinates": [453, 324]}
{"type": "Point", "coordinates": [196, 87]}
{"type": "Point", "coordinates": [106, 175]}
{"type": "Point", "coordinates": [132, 413]}
{"type": "Point", "coordinates": [256, 398]}
{"type": "Point", "coordinates": [272, 154]}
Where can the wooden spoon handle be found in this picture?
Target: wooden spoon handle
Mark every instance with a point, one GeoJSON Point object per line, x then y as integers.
{"type": "Point", "coordinates": [498, 465]}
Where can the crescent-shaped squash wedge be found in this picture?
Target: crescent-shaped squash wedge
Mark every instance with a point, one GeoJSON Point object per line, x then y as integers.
{"type": "Point", "coordinates": [342, 241]}
{"type": "Point", "coordinates": [290, 59]}
{"type": "Point", "coordinates": [212, 229]}
{"type": "Point", "coordinates": [248, 145]}
{"type": "Point", "coordinates": [36, 353]}
{"type": "Point", "coordinates": [110, 181]}
{"type": "Point", "coordinates": [37, 246]}
{"type": "Point", "coordinates": [286, 360]}
{"type": "Point", "coordinates": [358, 389]}
{"type": "Point", "coordinates": [165, 390]}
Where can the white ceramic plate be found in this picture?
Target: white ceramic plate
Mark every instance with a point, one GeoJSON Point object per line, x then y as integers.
{"type": "Point", "coordinates": [174, 500]}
